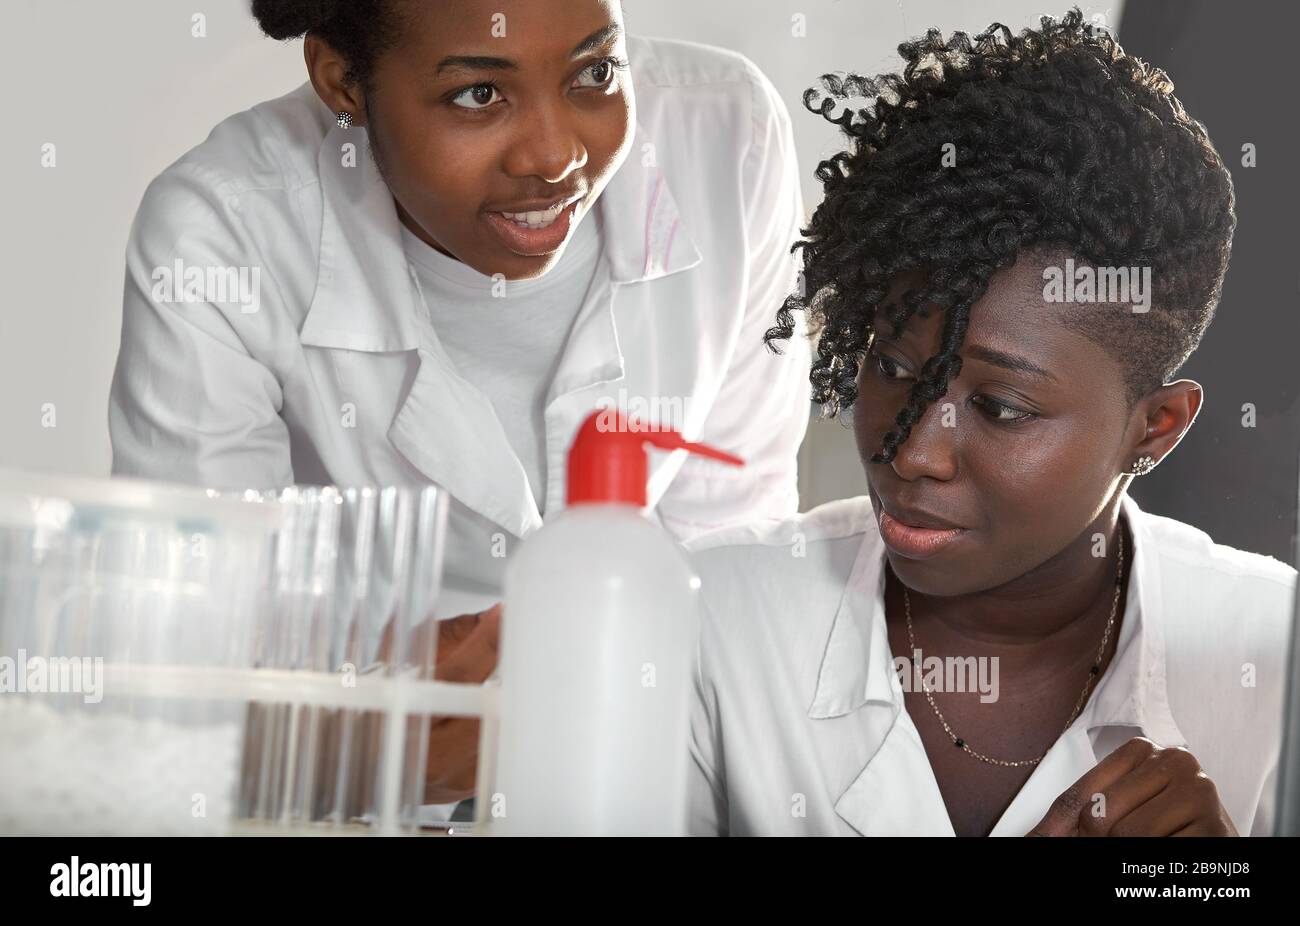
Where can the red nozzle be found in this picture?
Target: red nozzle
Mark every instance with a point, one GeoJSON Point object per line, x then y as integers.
{"type": "Point", "coordinates": [607, 462]}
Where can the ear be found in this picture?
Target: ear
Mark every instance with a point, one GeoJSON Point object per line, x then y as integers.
{"type": "Point", "coordinates": [1166, 414]}
{"type": "Point", "coordinates": [326, 68]}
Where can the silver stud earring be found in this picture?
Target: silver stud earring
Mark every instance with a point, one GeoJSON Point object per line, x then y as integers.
{"type": "Point", "coordinates": [345, 120]}
{"type": "Point", "coordinates": [1142, 465]}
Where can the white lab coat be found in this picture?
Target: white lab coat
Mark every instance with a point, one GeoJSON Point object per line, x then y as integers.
{"type": "Point", "coordinates": [338, 376]}
{"type": "Point", "coordinates": [799, 725]}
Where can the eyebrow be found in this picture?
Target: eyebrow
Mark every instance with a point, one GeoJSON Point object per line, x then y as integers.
{"type": "Point", "coordinates": [488, 63]}
{"type": "Point", "coordinates": [1013, 362]}
{"type": "Point", "coordinates": [997, 358]}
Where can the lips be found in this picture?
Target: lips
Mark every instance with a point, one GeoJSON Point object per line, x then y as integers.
{"type": "Point", "coordinates": [535, 218]}
{"type": "Point", "coordinates": [916, 534]}
{"type": "Point", "coordinates": [541, 203]}
{"type": "Point", "coordinates": [533, 239]}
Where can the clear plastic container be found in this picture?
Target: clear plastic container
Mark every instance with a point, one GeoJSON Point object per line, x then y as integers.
{"type": "Point", "coordinates": [108, 588]}
{"type": "Point", "coordinates": [261, 659]}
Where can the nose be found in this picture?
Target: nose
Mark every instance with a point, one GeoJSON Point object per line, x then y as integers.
{"type": "Point", "coordinates": [547, 145]}
{"type": "Point", "coordinates": [931, 449]}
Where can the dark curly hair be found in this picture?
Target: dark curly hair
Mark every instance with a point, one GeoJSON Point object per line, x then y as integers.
{"type": "Point", "coordinates": [359, 30]}
{"type": "Point", "coordinates": [1064, 144]}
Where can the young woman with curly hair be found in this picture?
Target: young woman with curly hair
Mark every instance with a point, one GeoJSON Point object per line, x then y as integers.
{"type": "Point", "coordinates": [995, 639]}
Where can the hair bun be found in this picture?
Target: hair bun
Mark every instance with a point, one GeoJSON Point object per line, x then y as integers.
{"type": "Point", "coordinates": [289, 19]}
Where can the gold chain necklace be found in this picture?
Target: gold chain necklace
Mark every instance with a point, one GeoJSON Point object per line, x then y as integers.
{"type": "Point", "coordinates": [1083, 695]}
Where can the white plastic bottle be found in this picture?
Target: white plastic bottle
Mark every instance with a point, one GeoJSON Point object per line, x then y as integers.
{"type": "Point", "coordinates": [598, 646]}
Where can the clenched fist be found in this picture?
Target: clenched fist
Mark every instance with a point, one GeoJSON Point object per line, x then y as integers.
{"type": "Point", "coordinates": [1140, 789]}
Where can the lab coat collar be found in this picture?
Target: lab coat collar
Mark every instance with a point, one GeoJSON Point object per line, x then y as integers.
{"type": "Point", "coordinates": [896, 791]}
{"type": "Point", "coordinates": [1134, 691]}
{"type": "Point", "coordinates": [365, 295]}
{"type": "Point", "coordinates": [856, 667]}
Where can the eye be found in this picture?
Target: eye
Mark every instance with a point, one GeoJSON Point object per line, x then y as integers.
{"type": "Point", "coordinates": [889, 369]}
{"type": "Point", "coordinates": [480, 96]}
{"type": "Point", "coordinates": [1000, 411]}
{"type": "Point", "coordinates": [601, 73]}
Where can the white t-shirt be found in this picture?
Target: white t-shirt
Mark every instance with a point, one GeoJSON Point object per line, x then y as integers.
{"type": "Point", "coordinates": [506, 338]}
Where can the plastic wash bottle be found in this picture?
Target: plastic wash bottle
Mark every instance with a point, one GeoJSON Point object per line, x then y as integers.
{"type": "Point", "coordinates": [598, 645]}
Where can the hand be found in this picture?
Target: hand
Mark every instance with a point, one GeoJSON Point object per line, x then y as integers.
{"type": "Point", "coordinates": [467, 652]}
{"type": "Point", "coordinates": [1140, 789]}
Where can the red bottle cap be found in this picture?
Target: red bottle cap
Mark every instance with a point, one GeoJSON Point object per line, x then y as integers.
{"type": "Point", "coordinates": [607, 462]}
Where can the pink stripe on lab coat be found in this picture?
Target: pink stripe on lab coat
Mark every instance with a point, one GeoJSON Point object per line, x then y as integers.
{"type": "Point", "coordinates": [649, 221]}
{"type": "Point", "coordinates": [668, 251]}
